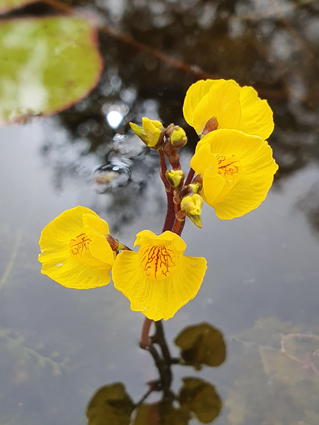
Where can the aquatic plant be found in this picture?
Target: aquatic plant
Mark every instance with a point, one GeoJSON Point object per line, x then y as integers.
{"type": "Point", "coordinates": [231, 170]}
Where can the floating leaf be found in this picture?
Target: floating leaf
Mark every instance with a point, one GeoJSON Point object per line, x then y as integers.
{"type": "Point", "coordinates": [7, 5]}
{"type": "Point", "coordinates": [201, 398]}
{"type": "Point", "coordinates": [161, 413]}
{"type": "Point", "coordinates": [110, 405]}
{"type": "Point", "coordinates": [202, 344]}
{"type": "Point", "coordinates": [46, 65]}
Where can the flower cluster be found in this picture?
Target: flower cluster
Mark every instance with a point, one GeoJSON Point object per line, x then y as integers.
{"type": "Point", "coordinates": [77, 252]}
{"type": "Point", "coordinates": [232, 170]}
{"type": "Point", "coordinates": [232, 157]}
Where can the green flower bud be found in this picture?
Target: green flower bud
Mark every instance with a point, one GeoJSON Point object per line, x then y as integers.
{"type": "Point", "coordinates": [151, 134]}
{"type": "Point", "coordinates": [192, 206]}
{"type": "Point", "coordinates": [175, 178]}
{"type": "Point", "coordinates": [195, 188]}
{"type": "Point", "coordinates": [176, 135]}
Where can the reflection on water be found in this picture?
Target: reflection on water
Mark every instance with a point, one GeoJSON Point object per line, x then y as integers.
{"type": "Point", "coordinates": [111, 403]}
{"type": "Point", "coordinates": [59, 348]}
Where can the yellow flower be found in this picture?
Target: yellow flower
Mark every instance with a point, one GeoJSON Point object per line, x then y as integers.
{"type": "Point", "coordinates": [237, 171]}
{"type": "Point", "coordinates": [158, 279]}
{"type": "Point", "coordinates": [234, 107]}
{"type": "Point", "coordinates": [74, 250]}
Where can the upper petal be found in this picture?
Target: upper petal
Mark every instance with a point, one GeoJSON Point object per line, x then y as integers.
{"type": "Point", "coordinates": [57, 234]}
{"type": "Point", "coordinates": [96, 229]}
{"type": "Point", "coordinates": [222, 102]}
{"type": "Point", "coordinates": [256, 114]}
{"type": "Point", "coordinates": [203, 158]}
{"type": "Point", "coordinates": [194, 95]}
{"type": "Point", "coordinates": [148, 238]}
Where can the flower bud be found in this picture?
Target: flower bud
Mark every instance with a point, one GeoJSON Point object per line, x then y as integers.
{"type": "Point", "coordinates": [195, 188]}
{"type": "Point", "coordinates": [115, 244]}
{"type": "Point", "coordinates": [211, 125]}
{"type": "Point", "coordinates": [192, 206]}
{"type": "Point", "coordinates": [176, 135]}
{"type": "Point", "coordinates": [151, 134]}
{"type": "Point", "coordinates": [175, 178]}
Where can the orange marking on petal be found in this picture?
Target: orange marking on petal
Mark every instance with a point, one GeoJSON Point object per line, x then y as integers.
{"type": "Point", "coordinates": [79, 245]}
{"type": "Point", "coordinates": [157, 261]}
{"type": "Point", "coordinates": [228, 167]}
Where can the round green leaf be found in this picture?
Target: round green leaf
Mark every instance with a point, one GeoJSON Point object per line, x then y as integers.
{"type": "Point", "coordinates": [201, 398]}
{"type": "Point", "coordinates": [7, 5]}
{"type": "Point", "coordinates": [201, 344]}
{"type": "Point", "coordinates": [110, 405]}
{"type": "Point", "coordinates": [46, 65]}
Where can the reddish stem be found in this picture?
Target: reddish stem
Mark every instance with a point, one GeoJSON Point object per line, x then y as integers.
{"type": "Point", "coordinates": [178, 227]}
{"type": "Point", "coordinates": [189, 177]}
{"type": "Point", "coordinates": [170, 215]}
{"type": "Point", "coordinates": [163, 170]}
{"type": "Point", "coordinates": [145, 339]}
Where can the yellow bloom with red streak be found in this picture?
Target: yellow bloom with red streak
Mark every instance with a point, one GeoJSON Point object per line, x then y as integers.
{"type": "Point", "coordinates": [74, 249]}
{"type": "Point", "coordinates": [231, 106]}
{"type": "Point", "coordinates": [237, 171]}
{"type": "Point", "coordinates": [158, 279]}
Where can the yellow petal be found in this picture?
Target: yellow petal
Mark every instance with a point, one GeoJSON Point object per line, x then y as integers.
{"type": "Point", "coordinates": [256, 114]}
{"type": "Point", "coordinates": [147, 237]}
{"type": "Point", "coordinates": [231, 142]}
{"type": "Point", "coordinates": [229, 168]}
{"type": "Point", "coordinates": [193, 96]}
{"type": "Point", "coordinates": [222, 102]}
{"type": "Point", "coordinates": [203, 158]}
{"type": "Point", "coordinates": [158, 299]}
{"type": "Point", "coordinates": [257, 171]}
{"type": "Point", "coordinates": [96, 229]}
{"type": "Point", "coordinates": [66, 244]}
{"type": "Point", "coordinates": [59, 231]}
{"type": "Point", "coordinates": [252, 188]}
{"type": "Point", "coordinates": [213, 184]}
{"type": "Point", "coordinates": [72, 274]}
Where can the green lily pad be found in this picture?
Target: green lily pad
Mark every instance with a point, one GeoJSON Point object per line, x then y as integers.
{"type": "Point", "coordinates": [163, 413]}
{"type": "Point", "coordinates": [201, 344]}
{"type": "Point", "coordinates": [201, 398]}
{"type": "Point", "coordinates": [7, 5]}
{"type": "Point", "coordinates": [110, 405]}
{"type": "Point", "coordinates": [46, 66]}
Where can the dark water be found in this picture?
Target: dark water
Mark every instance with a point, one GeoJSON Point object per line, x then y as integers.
{"type": "Point", "coordinates": [59, 346]}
